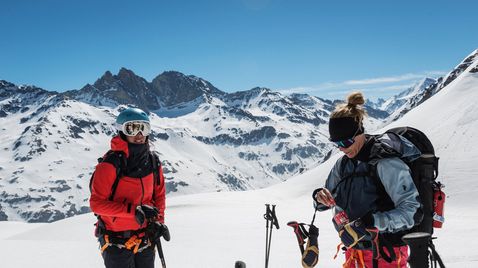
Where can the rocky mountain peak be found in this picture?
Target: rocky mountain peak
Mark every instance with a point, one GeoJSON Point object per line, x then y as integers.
{"type": "Point", "coordinates": [174, 87]}
{"type": "Point", "coordinates": [4, 84]}
{"type": "Point", "coordinates": [126, 80]}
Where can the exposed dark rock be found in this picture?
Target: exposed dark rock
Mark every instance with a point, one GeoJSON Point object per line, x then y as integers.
{"type": "Point", "coordinates": [232, 182]}
{"type": "Point", "coordinates": [62, 186]}
{"type": "Point", "coordinates": [376, 113]}
{"type": "Point", "coordinates": [301, 119]}
{"type": "Point", "coordinates": [262, 135]}
{"type": "Point", "coordinates": [16, 199]}
{"type": "Point", "coordinates": [174, 88]}
{"type": "Point", "coordinates": [283, 168]}
{"type": "Point", "coordinates": [3, 216]}
{"type": "Point", "coordinates": [43, 215]}
{"type": "Point", "coordinates": [172, 186]}
{"type": "Point", "coordinates": [161, 136]}
{"type": "Point", "coordinates": [250, 156]}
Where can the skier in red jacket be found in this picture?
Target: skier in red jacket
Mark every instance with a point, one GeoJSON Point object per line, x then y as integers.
{"type": "Point", "coordinates": [128, 195]}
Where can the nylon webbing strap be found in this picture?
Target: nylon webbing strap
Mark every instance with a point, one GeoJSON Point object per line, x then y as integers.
{"type": "Point", "coordinates": [119, 169]}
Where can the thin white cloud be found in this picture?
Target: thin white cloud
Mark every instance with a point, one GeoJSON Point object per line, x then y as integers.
{"type": "Point", "coordinates": [383, 80]}
{"type": "Point", "coordinates": [393, 79]}
{"type": "Point", "coordinates": [398, 82]}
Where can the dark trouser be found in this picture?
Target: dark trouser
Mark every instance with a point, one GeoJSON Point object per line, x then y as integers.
{"type": "Point", "coordinates": [115, 257]}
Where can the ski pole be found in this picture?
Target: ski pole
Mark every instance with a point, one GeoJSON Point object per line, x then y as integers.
{"type": "Point", "coordinates": [266, 216]}
{"type": "Point", "coordinates": [275, 223]}
{"type": "Point", "coordinates": [160, 252]}
{"type": "Point", "coordinates": [152, 229]}
{"type": "Point", "coordinates": [270, 216]}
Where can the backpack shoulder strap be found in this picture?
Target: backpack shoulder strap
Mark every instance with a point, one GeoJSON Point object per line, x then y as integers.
{"type": "Point", "coordinates": [343, 164]}
{"type": "Point", "coordinates": [156, 178]}
{"type": "Point", "coordinates": [373, 173]}
{"type": "Point", "coordinates": [119, 161]}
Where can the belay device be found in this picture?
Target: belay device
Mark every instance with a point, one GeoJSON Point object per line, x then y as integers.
{"type": "Point", "coordinates": [310, 254]}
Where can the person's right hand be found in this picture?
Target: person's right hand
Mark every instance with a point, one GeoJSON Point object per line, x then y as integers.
{"type": "Point", "coordinates": [145, 212]}
{"type": "Point", "coordinates": [323, 196]}
{"type": "Point", "coordinates": [159, 230]}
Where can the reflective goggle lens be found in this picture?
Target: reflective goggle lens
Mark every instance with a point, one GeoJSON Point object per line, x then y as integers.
{"type": "Point", "coordinates": [345, 143]}
{"type": "Point", "coordinates": [135, 127]}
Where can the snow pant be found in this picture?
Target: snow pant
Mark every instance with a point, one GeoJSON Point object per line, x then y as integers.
{"type": "Point", "coordinates": [364, 258]}
{"type": "Point", "coordinates": [115, 257]}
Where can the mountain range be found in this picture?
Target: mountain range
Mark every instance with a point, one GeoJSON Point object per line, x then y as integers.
{"type": "Point", "coordinates": [207, 139]}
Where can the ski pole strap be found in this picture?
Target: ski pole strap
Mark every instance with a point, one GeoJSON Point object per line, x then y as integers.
{"type": "Point", "coordinates": [384, 243]}
{"type": "Point", "coordinates": [313, 218]}
{"type": "Point", "coordinates": [270, 216]}
{"type": "Point", "coordinates": [274, 217]}
{"type": "Point", "coordinates": [379, 243]}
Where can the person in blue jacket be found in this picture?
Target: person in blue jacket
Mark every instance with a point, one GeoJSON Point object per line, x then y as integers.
{"type": "Point", "coordinates": [366, 215]}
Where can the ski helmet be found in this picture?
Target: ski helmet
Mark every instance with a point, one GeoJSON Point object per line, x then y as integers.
{"type": "Point", "coordinates": [131, 114]}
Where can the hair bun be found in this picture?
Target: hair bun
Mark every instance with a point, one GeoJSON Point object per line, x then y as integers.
{"type": "Point", "coordinates": [355, 98]}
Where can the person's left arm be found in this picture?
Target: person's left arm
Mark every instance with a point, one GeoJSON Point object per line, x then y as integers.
{"type": "Point", "coordinates": [398, 183]}
{"type": "Point", "coordinates": [159, 198]}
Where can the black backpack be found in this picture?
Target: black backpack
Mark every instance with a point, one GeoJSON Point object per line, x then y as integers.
{"type": "Point", "coordinates": [424, 171]}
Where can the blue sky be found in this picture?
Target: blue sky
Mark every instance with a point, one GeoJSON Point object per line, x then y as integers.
{"type": "Point", "coordinates": [324, 48]}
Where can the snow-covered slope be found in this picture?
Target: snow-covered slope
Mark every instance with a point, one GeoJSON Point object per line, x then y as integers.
{"type": "Point", "coordinates": [399, 105]}
{"type": "Point", "coordinates": [216, 229]}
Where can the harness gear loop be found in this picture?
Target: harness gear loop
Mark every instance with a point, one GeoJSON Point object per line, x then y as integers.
{"type": "Point", "coordinates": [107, 243]}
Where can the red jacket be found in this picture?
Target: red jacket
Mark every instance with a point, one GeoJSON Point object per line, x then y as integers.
{"type": "Point", "coordinates": [118, 215]}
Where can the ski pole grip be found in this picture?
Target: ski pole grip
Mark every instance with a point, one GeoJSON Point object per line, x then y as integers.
{"type": "Point", "coordinates": [418, 243]}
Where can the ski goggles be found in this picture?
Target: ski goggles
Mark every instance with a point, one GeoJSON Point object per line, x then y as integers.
{"type": "Point", "coordinates": [132, 128]}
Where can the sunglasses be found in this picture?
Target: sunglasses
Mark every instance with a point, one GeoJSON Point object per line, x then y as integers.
{"type": "Point", "coordinates": [347, 142]}
{"type": "Point", "coordinates": [132, 128]}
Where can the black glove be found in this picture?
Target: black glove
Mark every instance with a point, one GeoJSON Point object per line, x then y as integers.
{"type": "Point", "coordinates": [157, 230]}
{"type": "Point", "coordinates": [145, 212]}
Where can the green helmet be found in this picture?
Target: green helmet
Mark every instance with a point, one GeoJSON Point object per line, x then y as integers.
{"type": "Point", "coordinates": [132, 114]}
